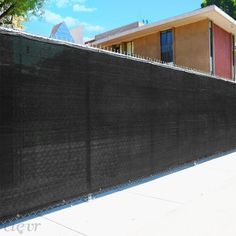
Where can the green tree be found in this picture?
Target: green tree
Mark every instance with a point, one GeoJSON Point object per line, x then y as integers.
{"type": "Point", "coordinates": [18, 10]}
{"type": "Point", "coordinates": [229, 6]}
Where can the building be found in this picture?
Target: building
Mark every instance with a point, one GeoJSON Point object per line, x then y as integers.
{"type": "Point", "coordinates": [62, 32]}
{"type": "Point", "coordinates": [203, 40]}
{"type": "Point", "coordinates": [77, 34]}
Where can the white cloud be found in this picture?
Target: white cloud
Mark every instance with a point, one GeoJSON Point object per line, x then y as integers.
{"type": "Point", "coordinates": [82, 8]}
{"type": "Point", "coordinates": [78, 5]}
{"type": "Point", "coordinates": [61, 3]}
{"type": "Point", "coordinates": [64, 3]}
{"type": "Point", "coordinates": [53, 18]}
{"type": "Point", "coordinates": [92, 28]}
{"type": "Point", "coordinates": [70, 21]}
{"type": "Point", "coordinates": [79, 1]}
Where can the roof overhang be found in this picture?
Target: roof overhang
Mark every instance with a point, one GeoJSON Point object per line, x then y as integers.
{"type": "Point", "coordinates": [213, 13]}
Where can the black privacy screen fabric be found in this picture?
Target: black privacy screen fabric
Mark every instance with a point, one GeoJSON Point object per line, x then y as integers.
{"type": "Point", "coordinates": [73, 121]}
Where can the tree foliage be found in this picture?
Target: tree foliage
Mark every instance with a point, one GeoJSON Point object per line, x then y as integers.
{"type": "Point", "coordinates": [229, 6]}
{"type": "Point", "coordinates": [18, 10]}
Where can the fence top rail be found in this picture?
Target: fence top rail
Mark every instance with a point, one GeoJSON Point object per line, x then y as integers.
{"type": "Point", "coordinates": [116, 54]}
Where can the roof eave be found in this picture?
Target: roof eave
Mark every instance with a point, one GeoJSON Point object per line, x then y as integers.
{"type": "Point", "coordinates": [202, 14]}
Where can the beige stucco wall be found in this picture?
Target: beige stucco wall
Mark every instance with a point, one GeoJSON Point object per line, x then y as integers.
{"type": "Point", "coordinates": [148, 46]}
{"type": "Point", "coordinates": [191, 47]}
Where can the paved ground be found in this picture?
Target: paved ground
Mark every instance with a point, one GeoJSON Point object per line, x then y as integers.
{"type": "Point", "coordinates": [200, 201]}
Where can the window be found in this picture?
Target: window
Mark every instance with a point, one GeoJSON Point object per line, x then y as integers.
{"type": "Point", "coordinates": [116, 48]}
{"type": "Point", "coordinates": [167, 46]}
{"type": "Point", "coordinates": [130, 48]}
{"type": "Point", "coordinates": [62, 32]}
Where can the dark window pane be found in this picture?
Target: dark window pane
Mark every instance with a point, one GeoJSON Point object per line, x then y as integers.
{"type": "Point", "coordinates": [169, 38]}
{"type": "Point", "coordinates": [167, 46]}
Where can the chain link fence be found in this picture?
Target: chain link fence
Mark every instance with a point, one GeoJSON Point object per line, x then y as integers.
{"type": "Point", "coordinates": [76, 120]}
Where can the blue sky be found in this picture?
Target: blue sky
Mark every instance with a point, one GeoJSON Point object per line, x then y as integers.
{"type": "Point", "coordinates": [101, 15]}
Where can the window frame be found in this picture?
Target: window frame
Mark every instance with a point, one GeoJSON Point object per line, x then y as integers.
{"type": "Point", "coordinates": [167, 47]}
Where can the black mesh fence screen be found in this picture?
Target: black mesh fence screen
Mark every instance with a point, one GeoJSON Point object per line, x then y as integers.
{"type": "Point", "coordinates": [73, 121]}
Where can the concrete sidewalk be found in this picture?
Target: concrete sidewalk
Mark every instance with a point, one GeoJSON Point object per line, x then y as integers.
{"type": "Point", "coordinates": [199, 200]}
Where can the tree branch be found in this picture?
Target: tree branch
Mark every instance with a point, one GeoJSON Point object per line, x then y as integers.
{"type": "Point", "coordinates": [1, 5]}
{"type": "Point", "coordinates": [6, 12]}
